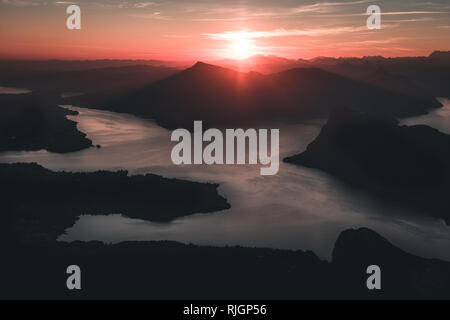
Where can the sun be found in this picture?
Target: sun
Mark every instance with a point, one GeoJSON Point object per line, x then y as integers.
{"type": "Point", "coordinates": [241, 49]}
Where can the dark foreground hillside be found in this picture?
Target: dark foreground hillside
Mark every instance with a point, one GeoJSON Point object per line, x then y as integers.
{"type": "Point", "coordinates": [405, 165]}
{"type": "Point", "coordinates": [39, 204]}
{"type": "Point", "coordinates": [31, 122]}
{"type": "Point", "coordinates": [172, 270]}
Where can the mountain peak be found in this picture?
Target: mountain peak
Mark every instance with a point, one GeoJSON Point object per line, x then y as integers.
{"type": "Point", "coordinates": [440, 55]}
{"type": "Point", "coordinates": [206, 68]}
{"type": "Point", "coordinates": [200, 64]}
{"type": "Point", "coordinates": [204, 65]}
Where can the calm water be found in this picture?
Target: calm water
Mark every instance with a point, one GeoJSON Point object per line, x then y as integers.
{"type": "Point", "coordinates": [7, 90]}
{"type": "Point", "coordinates": [439, 119]}
{"type": "Point", "coordinates": [299, 208]}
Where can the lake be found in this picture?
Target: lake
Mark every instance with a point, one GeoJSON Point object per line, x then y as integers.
{"type": "Point", "coordinates": [8, 90]}
{"type": "Point", "coordinates": [299, 208]}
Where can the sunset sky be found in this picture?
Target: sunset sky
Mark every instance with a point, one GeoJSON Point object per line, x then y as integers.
{"type": "Point", "coordinates": [212, 29]}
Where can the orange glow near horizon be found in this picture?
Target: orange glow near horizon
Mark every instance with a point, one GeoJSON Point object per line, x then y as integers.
{"type": "Point", "coordinates": [197, 30]}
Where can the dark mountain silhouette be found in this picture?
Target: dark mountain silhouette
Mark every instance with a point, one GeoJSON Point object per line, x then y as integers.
{"type": "Point", "coordinates": [41, 203]}
{"type": "Point", "coordinates": [430, 73]}
{"type": "Point", "coordinates": [10, 67]}
{"type": "Point", "coordinates": [173, 270]}
{"type": "Point", "coordinates": [407, 166]}
{"type": "Point", "coordinates": [404, 165]}
{"type": "Point", "coordinates": [33, 122]}
{"type": "Point", "coordinates": [203, 92]}
{"type": "Point", "coordinates": [98, 86]}
{"type": "Point", "coordinates": [400, 84]}
{"type": "Point", "coordinates": [221, 96]}
{"type": "Point", "coordinates": [92, 79]}
{"type": "Point", "coordinates": [265, 64]}
{"type": "Point", "coordinates": [441, 56]}
{"type": "Point", "coordinates": [402, 274]}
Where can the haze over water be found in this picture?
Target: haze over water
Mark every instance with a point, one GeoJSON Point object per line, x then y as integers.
{"type": "Point", "coordinates": [299, 208]}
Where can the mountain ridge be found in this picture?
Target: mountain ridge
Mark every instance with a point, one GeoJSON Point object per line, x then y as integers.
{"type": "Point", "coordinates": [220, 96]}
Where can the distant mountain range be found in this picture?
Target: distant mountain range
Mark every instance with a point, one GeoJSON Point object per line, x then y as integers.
{"type": "Point", "coordinates": [221, 96]}
{"type": "Point", "coordinates": [258, 89]}
{"type": "Point", "coordinates": [431, 73]}
{"type": "Point", "coordinates": [98, 82]}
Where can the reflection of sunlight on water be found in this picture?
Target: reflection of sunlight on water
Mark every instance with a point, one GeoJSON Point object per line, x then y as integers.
{"type": "Point", "coordinates": [298, 208]}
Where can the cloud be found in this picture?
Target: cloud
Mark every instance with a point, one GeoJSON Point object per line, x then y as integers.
{"type": "Point", "coordinates": [151, 15]}
{"type": "Point", "coordinates": [401, 13]}
{"type": "Point", "coordinates": [126, 4]}
{"type": "Point", "coordinates": [417, 20]}
{"type": "Point", "coordinates": [231, 11]}
{"type": "Point", "coordinates": [326, 7]}
{"type": "Point", "coordinates": [245, 34]}
{"type": "Point", "coordinates": [105, 3]}
{"type": "Point", "coordinates": [144, 4]}
{"type": "Point", "coordinates": [24, 3]}
{"type": "Point", "coordinates": [64, 2]}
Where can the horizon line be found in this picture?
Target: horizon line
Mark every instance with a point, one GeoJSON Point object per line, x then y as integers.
{"type": "Point", "coordinates": [222, 59]}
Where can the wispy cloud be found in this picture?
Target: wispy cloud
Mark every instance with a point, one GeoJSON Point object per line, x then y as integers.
{"type": "Point", "coordinates": [402, 13]}
{"type": "Point", "coordinates": [221, 19]}
{"type": "Point", "coordinates": [24, 3]}
{"type": "Point", "coordinates": [105, 3]}
{"type": "Point", "coordinates": [151, 15]}
{"type": "Point", "coordinates": [144, 4]}
{"type": "Point", "coordinates": [326, 7]}
{"type": "Point", "coordinates": [417, 19]}
{"type": "Point", "coordinates": [245, 34]}
{"type": "Point", "coordinates": [387, 13]}
{"type": "Point", "coordinates": [223, 12]}
{"type": "Point", "coordinates": [126, 4]}
{"type": "Point", "coordinates": [64, 2]}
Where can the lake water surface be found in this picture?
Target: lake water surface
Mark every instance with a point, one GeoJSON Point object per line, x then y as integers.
{"type": "Point", "coordinates": [298, 208]}
{"type": "Point", "coordinates": [8, 90]}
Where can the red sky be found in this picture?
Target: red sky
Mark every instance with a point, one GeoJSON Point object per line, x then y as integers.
{"type": "Point", "coordinates": [212, 29]}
